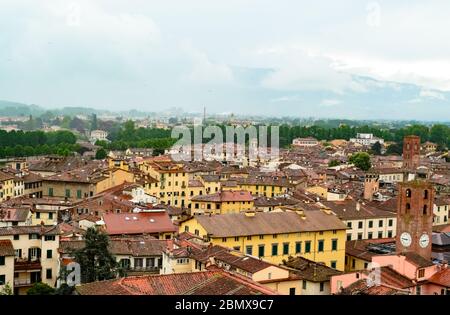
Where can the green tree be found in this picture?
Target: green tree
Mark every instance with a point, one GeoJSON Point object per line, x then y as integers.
{"type": "Point", "coordinates": [361, 160]}
{"type": "Point", "coordinates": [7, 290]}
{"type": "Point", "coordinates": [333, 163]}
{"type": "Point", "coordinates": [95, 260]}
{"type": "Point", "coordinates": [100, 154]}
{"type": "Point", "coordinates": [40, 288]}
{"type": "Point", "coordinates": [394, 149]}
{"type": "Point", "coordinates": [376, 148]}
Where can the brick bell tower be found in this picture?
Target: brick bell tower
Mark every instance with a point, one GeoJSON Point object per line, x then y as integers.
{"type": "Point", "coordinates": [411, 152]}
{"type": "Point", "coordinates": [371, 185]}
{"type": "Point", "coordinates": [415, 218]}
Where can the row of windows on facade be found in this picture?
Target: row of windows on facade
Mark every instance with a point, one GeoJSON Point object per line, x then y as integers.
{"type": "Point", "coordinates": [33, 253]}
{"type": "Point", "coordinates": [68, 193]}
{"type": "Point", "coordinates": [286, 248]}
{"type": "Point", "coordinates": [150, 263]}
{"type": "Point", "coordinates": [34, 236]}
{"type": "Point", "coordinates": [33, 185]}
{"type": "Point", "coordinates": [50, 215]}
{"type": "Point", "coordinates": [380, 223]}
{"type": "Point", "coordinates": [369, 235]}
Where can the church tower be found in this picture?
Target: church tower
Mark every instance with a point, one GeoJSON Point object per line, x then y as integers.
{"type": "Point", "coordinates": [371, 185]}
{"type": "Point", "coordinates": [411, 152]}
{"type": "Point", "coordinates": [415, 218]}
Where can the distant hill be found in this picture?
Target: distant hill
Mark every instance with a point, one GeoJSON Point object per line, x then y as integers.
{"type": "Point", "coordinates": [18, 109]}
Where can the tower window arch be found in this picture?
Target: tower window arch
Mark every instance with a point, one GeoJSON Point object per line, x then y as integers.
{"type": "Point", "coordinates": [425, 209]}
{"type": "Point", "coordinates": [408, 192]}
{"type": "Point", "coordinates": [425, 194]}
{"type": "Point", "coordinates": [408, 207]}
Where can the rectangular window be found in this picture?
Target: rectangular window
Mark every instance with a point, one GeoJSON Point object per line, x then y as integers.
{"type": "Point", "coordinates": [349, 236]}
{"type": "Point", "coordinates": [16, 237]}
{"type": "Point", "coordinates": [274, 249]}
{"type": "Point", "coordinates": [38, 215]}
{"type": "Point", "coordinates": [67, 193]}
{"type": "Point", "coordinates": [236, 239]}
{"type": "Point", "coordinates": [2, 260]}
{"type": "Point", "coordinates": [391, 222]}
{"type": "Point", "coordinates": [307, 246]}
{"type": "Point", "coordinates": [369, 235]}
{"type": "Point", "coordinates": [322, 286]}
{"type": "Point", "coordinates": [334, 244]}
{"type": "Point", "coordinates": [138, 262]}
{"type": "Point", "coordinates": [224, 239]}
{"type": "Point", "coordinates": [50, 192]}
{"type": "Point", "coordinates": [320, 246]}
{"type": "Point", "coordinates": [304, 284]}
{"type": "Point", "coordinates": [249, 250]}
{"type": "Point", "coordinates": [298, 247]}
{"type": "Point", "coordinates": [48, 273]}
{"type": "Point", "coordinates": [349, 225]}
{"type": "Point", "coordinates": [370, 224]}
{"type": "Point", "coordinates": [261, 251]}
{"type": "Point", "coordinates": [261, 237]}
{"type": "Point", "coordinates": [360, 224]}
{"type": "Point", "coordinates": [50, 215]}
{"type": "Point", "coordinates": [49, 237]}
{"type": "Point", "coordinates": [2, 279]}
{"type": "Point", "coordinates": [360, 236]}
{"type": "Point", "coordinates": [291, 291]}
{"type": "Point", "coordinates": [285, 248]}
{"type": "Point", "coordinates": [380, 234]}
{"type": "Point", "coordinates": [333, 264]}
{"type": "Point", "coordinates": [49, 253]}
{"type": "Point", "coordinates": [389, 233]}
{"type": "Point", "coordinates": [79, 193]}
{"type": "Point", "coordinates": [380, 223]}
{"type": "Point", "coordinates": [249, 238]}
{"type": "Point", "coordinates": [33, 236]}
{"type": "Point", "coordinates": [421, 273]}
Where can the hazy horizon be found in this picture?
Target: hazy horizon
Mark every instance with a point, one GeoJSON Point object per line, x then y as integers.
{"type": "Point", "coordinates": [361, 60]}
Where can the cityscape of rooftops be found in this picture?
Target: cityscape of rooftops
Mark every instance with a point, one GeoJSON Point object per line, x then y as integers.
{"type": "Point", "coordinates": [229, 149]}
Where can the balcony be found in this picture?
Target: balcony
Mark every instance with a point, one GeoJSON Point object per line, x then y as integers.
{"type": "Point", "coordinates": [23, 282]}
{"type": "Point", "coordinates": [27, 265]}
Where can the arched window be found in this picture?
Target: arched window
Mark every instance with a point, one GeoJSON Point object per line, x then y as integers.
{"type": "Point", "coordinates": [425, 194]}
{"type": "Point", "coordinates": [408, 192]}
{"type": "Point", "coordinates": [408, 207]}
{"type": "Point", "coordinates": [425, 209]}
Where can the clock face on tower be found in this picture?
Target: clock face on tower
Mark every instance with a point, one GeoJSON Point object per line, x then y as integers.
{"type": "Point", "coordinates": [424, 240]}
{"type": "Point", "coordinates": [406, 239]}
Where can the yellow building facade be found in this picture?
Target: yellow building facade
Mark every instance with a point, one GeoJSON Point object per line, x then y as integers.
{"type": "Point", "coordinates": [276, 236]}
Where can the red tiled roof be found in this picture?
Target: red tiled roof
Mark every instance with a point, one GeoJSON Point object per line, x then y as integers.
{"type": "Point", "coordinates": [442, 278]}
{"type": "Point", "coordinates": [138, 223]}
{"type": "Point", "coordinates": [193, 283]}
{"type": "Point", "coordinates": [6, 248]}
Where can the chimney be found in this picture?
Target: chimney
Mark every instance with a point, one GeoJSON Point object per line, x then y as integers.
{"type": "Point", "coordinates": [358, 206]}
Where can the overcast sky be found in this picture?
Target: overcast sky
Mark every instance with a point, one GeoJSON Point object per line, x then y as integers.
{"type": "Point", "coordinates": [352, 59]}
